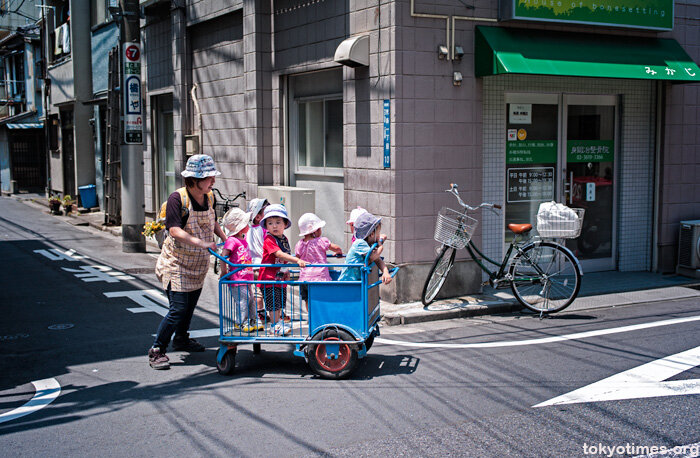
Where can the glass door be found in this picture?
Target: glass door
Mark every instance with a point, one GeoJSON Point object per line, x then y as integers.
{"type": "Point", "coordinates": [590, 132]}
{"type": "Point", "coordinates": [166, 176]}
{"type": "Point", "coordinates": [562, 148]}
{"type": "Point", "coordinates": [532, 145]}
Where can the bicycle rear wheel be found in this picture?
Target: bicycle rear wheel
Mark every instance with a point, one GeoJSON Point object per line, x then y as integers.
{"type": "Point", "coordinates": [545, 276]}
{"type": "Point", "coordinates": [438, 274]}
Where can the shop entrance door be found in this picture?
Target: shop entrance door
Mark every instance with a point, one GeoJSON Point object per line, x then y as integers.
{"type": "Point", "coordinates": [588, 160]}
{"type": "Point", "coordinates": [562, 147]}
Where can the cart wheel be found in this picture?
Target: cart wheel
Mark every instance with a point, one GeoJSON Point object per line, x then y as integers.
{"type": "Point", "coordinates": [256, 349]}
{"type": "Point", "coordinates": [228, 363]}
{"type": "Point", "coordinates": [336, 367]}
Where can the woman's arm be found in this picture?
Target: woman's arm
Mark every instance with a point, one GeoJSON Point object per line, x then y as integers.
{"type": "Point", "coordinates": [219, 232]}
{"type": "Point", "coordinates": [182, 236]}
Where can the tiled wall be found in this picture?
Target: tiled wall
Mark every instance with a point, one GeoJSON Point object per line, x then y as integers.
{"type": "Point", "coordinates": [217, 69]}
{"type": "Point", "coordinates": [680, 187]}
{"type": "Point", "coordinates": [635, 160]}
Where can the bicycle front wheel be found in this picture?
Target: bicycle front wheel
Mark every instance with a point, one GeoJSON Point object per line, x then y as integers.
{"type": "Point", "coordinates": [545, 276]}
{"type": "Point", "coordinates": [438, 274]}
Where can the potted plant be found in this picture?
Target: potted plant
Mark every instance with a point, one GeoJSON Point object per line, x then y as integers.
{"type": "Point", "coordinates": [67, 204]}
{"type": "Point", "coordinates": [55, 204]}
{"type": "Point", "coordinates": [155, 229]}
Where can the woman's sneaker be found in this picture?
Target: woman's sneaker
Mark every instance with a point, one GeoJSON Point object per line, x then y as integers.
{"type": "Point", "coordinates": [157, 359]}
{"type": "Point", "coordinates": [187, 344]}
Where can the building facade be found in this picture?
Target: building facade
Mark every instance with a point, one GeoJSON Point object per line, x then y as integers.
{"type": "Point", "coordinates": [22, 151]}
{"type": "Point", "coordinates": [273, 107]}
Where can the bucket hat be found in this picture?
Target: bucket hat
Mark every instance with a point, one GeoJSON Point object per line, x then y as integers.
{"type": "Point", "coordinates": [200, 166]}
{"type": "Point", "coordinates": [237, 219]}
{"type": "Point", "coordinates": [255, 205]}
{"type": "Point", "coordinates": [309, 223]}
{"type": "Point", "coordinates": [365, 224]}
{"type": "Point", "coordinates": [276, 210]}
{"type": "Point", "coordinates": [354, 214]}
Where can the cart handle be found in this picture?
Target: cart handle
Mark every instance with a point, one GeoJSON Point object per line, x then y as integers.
{"type": "Point", "coordinates": [392, 274]}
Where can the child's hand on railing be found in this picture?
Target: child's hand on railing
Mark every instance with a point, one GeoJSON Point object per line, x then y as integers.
{"type": "Point", "coordinates": [301, 263]}
{"type": "Point", "coordinates": [386, 276]}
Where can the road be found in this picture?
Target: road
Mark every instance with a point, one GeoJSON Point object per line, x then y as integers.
{"type": "Point", "coordinates": [451, 398]}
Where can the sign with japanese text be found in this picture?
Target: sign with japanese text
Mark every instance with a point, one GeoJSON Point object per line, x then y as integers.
{"type": "Point", "coordinates": [590, 150]}
{"type": "Point", "coordinates": [520, 113]}
{"type": "Point", "coordinates": [386, 116]}
{"type": "Point", "coordinates": [531, 152]}
{"type": "Point", "coordinates": [530, 184]}
{"type": "Point", "coordinates": [645, 14]}
{"type": "Point", "coordinates": [132, 96]}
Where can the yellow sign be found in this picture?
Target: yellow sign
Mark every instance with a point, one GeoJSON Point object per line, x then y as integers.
{"type": "Point", "coordinates": [522, 134]}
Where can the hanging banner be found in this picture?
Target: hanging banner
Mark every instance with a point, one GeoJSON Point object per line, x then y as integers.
{"type": "Point", "coordinates": [132, 96]}
{"type": "Point", "coordinates": [643, 14]}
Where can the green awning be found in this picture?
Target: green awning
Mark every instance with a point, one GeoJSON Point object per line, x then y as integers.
{"type": "Point", "coordinates": [501, 50]}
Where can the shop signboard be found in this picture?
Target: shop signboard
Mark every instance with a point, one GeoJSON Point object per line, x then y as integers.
{"type": "Point", "coordinates": [531, 151]}
{"type": "Point", "coordinates": [133, 112]}
{"type": "Point", "coordinates": [643, 14]}
{"type": "Point", "coordinates": [533, 184]}
{"type": "Point", "coordinates": [590, 151]}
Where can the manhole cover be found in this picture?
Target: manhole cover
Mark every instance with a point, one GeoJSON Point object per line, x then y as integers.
{"type": "Point", "coordinates": [60, 327]}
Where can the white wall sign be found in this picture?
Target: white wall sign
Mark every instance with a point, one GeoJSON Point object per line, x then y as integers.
{"type": "Point", "coordinates": [133, 115]}
{"type": "Point", "coordinates": [520, 113]}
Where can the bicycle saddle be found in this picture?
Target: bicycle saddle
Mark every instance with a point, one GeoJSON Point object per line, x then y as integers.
{"type": "Point", "coordinates": [520, 228]}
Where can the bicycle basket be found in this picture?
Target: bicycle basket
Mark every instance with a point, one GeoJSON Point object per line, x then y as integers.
{"type": "Point", "coordinates": [453, 228]}
{"type": "Point", "coordinates": [557, 221]}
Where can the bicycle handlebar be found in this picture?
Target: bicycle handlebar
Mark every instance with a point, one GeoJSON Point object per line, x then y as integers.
{"type": "Point", "coordinates": [228, 198]}
{"type": "Point", "coordinates": [454, 192]}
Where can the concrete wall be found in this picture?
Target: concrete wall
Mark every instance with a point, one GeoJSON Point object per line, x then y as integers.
{"type": "Point", "coordinates": [61, 76]}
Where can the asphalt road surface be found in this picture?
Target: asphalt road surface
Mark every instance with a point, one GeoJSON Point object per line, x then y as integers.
{"type": "Point", "coordinates": [75, 380]}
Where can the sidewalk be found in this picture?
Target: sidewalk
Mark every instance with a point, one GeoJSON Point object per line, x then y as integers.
{"type": "Point", "coordinates": [598, 290]}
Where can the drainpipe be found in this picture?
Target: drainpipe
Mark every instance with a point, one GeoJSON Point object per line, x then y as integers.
{"type": "Point", "coordinates": [465, 18]}
{"type": "Point", "coordinates": [193, 94]}
{"type": "Point", "coordinates": [435, 16]}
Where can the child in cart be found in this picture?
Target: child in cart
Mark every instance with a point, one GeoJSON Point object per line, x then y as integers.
{"type": "Point", "coordinates": [276, 250]}
{"type": "Point", "coordinates": [236, 251]}
{"type": "Point", "coordinates": [255, 237]}
{"type": "Point", "coordinates": [367, 233]}
{"type": "Point", "coordinates": [312, 249]}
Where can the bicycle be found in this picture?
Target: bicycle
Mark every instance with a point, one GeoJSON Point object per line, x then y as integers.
{"type": "Point", "coordinates": [221, 205]}
{"type": "Point", "coordinates": [544, 276]}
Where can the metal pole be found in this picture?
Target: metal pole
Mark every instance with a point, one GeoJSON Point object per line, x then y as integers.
{"type": "Point", "coordinates": [133, 200]}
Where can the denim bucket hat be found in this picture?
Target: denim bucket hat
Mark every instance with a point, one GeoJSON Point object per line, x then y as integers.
{"type": "Point", "coordinates": [365, 224]}
{"type": "Point", "coordinates": [276, 210]}
{"type": "Point", "coordinates": [200, 166]}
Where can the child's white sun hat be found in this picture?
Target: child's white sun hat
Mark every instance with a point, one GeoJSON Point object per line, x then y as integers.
{"type": "Point", "coordinates": [309, 223]}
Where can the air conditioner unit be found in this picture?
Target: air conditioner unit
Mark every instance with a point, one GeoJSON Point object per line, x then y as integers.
{"type": "Point", "coordinates": [297, 200]}
{"type": "Point", "coordinates": [689, 248]}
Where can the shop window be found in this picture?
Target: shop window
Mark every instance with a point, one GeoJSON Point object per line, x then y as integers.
{"type": "Point", "coordinates": [320, 134]}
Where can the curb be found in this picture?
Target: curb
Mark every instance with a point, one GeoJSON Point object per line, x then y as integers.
{"type": "Point", "coordinates": [457, 310]}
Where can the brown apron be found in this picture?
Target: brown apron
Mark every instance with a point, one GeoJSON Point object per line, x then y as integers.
{"type": "Point", "coordinates": [184, 266]}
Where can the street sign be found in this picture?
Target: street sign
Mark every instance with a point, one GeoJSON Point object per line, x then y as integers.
{"type": "Point", "coordinates": [386, 115]}
{"type": "Point", "coordinates": [132, 96]}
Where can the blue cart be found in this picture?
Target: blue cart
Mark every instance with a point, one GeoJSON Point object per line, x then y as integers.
{"type": "Point", "coordinates": [335, 330]}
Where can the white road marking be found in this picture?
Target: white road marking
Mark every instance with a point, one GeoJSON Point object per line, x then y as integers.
{"type": "Point", "coordinates": [542, 340]}
{"type": "Point", "coordinates": [150, 300]}
{"type": "Point", "coordinates": [46, 391]}
{"type": "Point", "coordinates": [58, 255]}
{"type": "Point", "coordinates": [98, 273]}
{"type": "Point", "coordinates": [645, 381]}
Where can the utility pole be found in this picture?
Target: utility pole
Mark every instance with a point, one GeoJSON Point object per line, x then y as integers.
{"type": "Point", "coordinates": [133, 200]}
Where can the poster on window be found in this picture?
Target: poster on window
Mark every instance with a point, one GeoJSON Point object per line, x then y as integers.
{"type": "Point", "coordinates": [530, 184]}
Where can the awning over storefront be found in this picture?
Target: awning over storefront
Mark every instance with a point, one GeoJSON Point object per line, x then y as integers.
{"type": "Point", "coordinates": [501, 50]}
{"type": "Point", "coordinates": [26, 125]}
